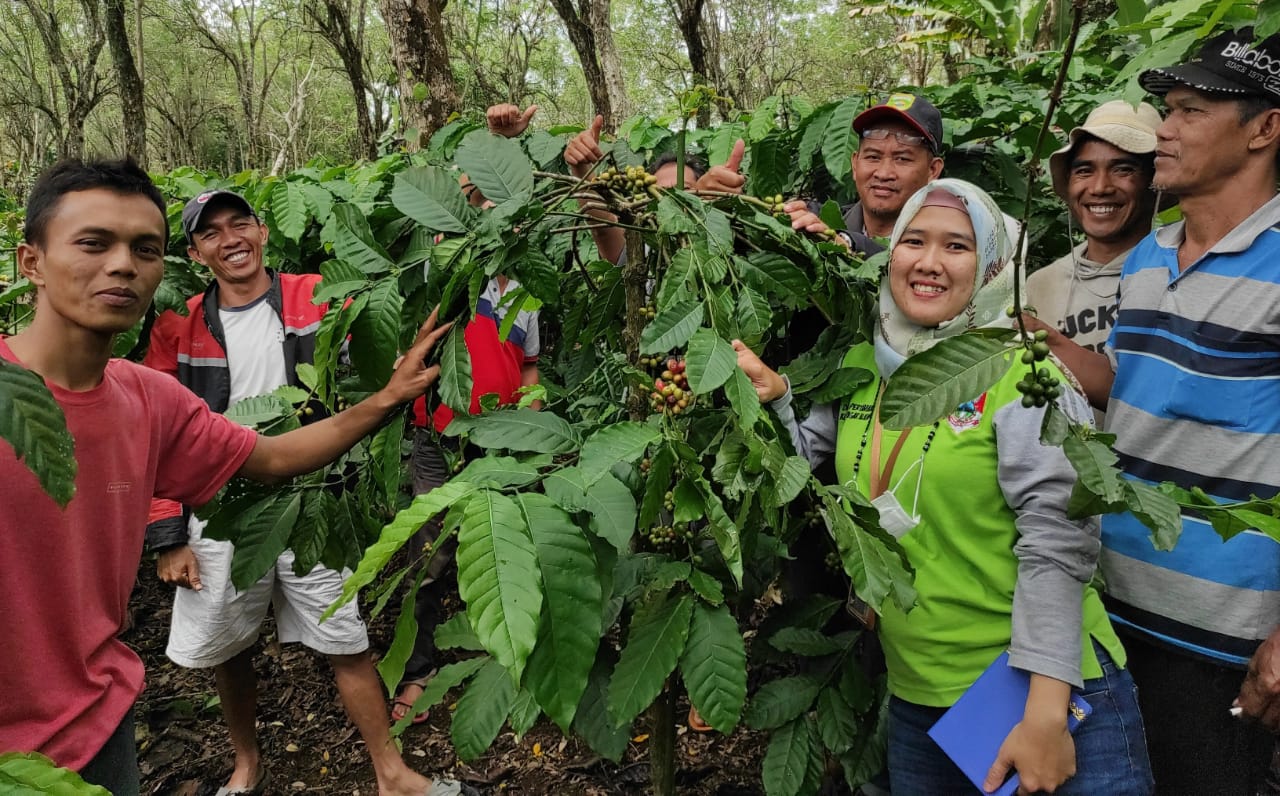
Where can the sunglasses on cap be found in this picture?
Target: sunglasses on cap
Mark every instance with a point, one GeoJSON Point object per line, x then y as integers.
{"type": "Point", "coordinates": [880, 134]}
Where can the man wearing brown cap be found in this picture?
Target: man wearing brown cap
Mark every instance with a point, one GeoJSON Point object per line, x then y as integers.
{"type": "Point", "coordinates": [1191, 384]}
{"type": "Point", "coordinates": [1104, 175]}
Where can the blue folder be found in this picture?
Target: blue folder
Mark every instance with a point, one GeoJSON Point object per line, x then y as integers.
{"type": "Point", "coordinates": [972, 731]}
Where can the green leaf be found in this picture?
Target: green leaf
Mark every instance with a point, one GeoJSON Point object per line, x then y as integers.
{"type": "Point", "coordinates": [781, 701]}
{"type": "Point", "coordinates": [289, 209]}
{"type": "Point", "coordinates": [787, 761]}
{"type": "Point", "coordinates": [674, 217]}
{"type": "Point", "coordinates": [706, 586]}
{"type": "Point", "coordinates": [524, 713]}
{"type": "Point", "coordinates": [257, 410]}
{"type": "Point", "coordinates": [375, 332]}
{"type": "Point", "coordinates": [661, 464]}
{"type": "Point", "coordinates": [561, 662]}
{"type": "Point", "coordinates": [841, 383]}
{"type": "Point", "coordinates": [498, 578]}
{"type": "Point", "coordinates": [319, 201]}
{"type": "Point", "coordinates": [456, 633]}
{"type": "Point", "coordinates": [30, 773]}
{"type": "Point", "coordinates": [1095, 463]}
{"type": "Point", "coordinates": [521, 429]}
{"type": "Point", "coordinates": [877, 569]}
{"type": "Point", "coordinates": [839, 142]}
{"type": "Point", "coordinates": [311, 533]}
{"type": "Point", "coordinates": [709, 362]}
{"type": "Point", "coordinates": [743, 398]}
{"type": "Point", "coordinates": [773, 275]}
{"type": "Point", "coordinates": [498, 471]}
{"type": "Point", "coordinates": [789, 477]}
{"type": "Point", "coordinates": [455, 371]}
{"type": "Point", "coordinates": [656, 638]}
{"type": "Point", "coordinates": [753, 316]}
{"type": "Point", "coordinates": [806, 641]}
{"type": "Point", "coordinates": [592, 721]}
{"type": "Point", "coordinates": [353, 241]}
{"type": "Point", "coordinates": [932, 383]}
{"type": "Point", "coordinates": [498, 167]}
{"type": "Point", "coordinates": [431, 196]}
{"type": "Point", "coordinates": [263, 536]}
{"type": "Point", "coordinates": [865, 759]}
{"type": "Point", "coordinates": [482, 710]}
{"type": "Point", "coordinates": [771, 165]}
{"type": "Point", "coordinates": [671, 328]}
{"type": "Point", "coordinates": [448, 677]}
{"type": "Point", "coordinates": [395, 533]}
{"type": "Point", "coordinates": [723, 529]}
{"type": "Point", "coordinates": [611, 504]}
{"type": "Point", "coordinates": [619, 442]}
{"type": "Point", "coordinates": [391, 665]}
{"type": "Point", "coordinates": [856, 689]}
{"type": "Point", "coordinates": [32, 422]}
{"type": "Point", "coordinates": [331, 336]}
{"type": "Point", "coordinates": [714, 666]}
{"type": "Point", "coordinates": [837, 723]}
{"type": "Point", "coordinates": [1155, 510]}
{"type": "Point", "coordinates": [1055, 427]}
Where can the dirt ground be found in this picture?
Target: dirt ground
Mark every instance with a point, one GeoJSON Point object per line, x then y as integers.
{"type": "Point", "coordinates": [311, 747]}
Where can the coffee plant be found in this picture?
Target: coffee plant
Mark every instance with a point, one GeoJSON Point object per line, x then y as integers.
{"type": "Point", "coordinates": [614, 547]}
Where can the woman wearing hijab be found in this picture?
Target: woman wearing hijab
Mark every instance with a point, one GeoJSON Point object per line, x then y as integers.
{"type": "Point", "coordinates": [980, 507]}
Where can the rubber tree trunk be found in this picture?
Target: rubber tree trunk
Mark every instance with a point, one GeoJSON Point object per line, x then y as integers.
{"type": "Point", "coordinates": [132, 104]}
{"type": "Point", "coordinates": [428, 93]}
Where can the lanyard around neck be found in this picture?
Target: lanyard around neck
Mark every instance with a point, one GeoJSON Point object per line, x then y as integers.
{"type": "Point", "coordinates": [880, 476]}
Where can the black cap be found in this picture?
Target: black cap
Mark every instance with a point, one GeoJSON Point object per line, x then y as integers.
{"type": "Point", "coordinates": [1229, 63]}
{"type": "Point", "coordinates": [917, 112]}
{"type": "Point", "coordinates": [196, 207]}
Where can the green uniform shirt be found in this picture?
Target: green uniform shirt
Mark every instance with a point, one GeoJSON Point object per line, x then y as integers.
{"type": "Point", "coordinates": [962, 549]}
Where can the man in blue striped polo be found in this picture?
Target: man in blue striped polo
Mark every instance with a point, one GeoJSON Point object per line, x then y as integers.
{"type": "Point", "coordinates": [1194, 386]}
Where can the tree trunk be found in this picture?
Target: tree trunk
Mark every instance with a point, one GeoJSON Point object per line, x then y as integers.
{"type": "Point", "coordinates": [335, 26]}
{"type": "Point", "coordinates": [131, 99]}
{"type": "Point", "coordinates": [592, 38]}
{"type": "Point", "coordinates": [428, 92]}
{"type": "Point", "coordinates": [689, 20]}
{"type": "Point", "coordinates": [79, 80]}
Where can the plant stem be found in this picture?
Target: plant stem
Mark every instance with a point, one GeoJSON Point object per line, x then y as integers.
{"type": "Point", "coordinates": [1033, 168]}
{"type": "Point", "coordinates": [662, 743]}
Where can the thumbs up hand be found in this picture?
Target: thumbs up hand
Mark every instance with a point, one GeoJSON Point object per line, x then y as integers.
{"type": "Point", "coordinates": [508, 120]}
{"type": "Point", "coordinates": [583, 150]}
{"type": "Point", "coordinates": [725, 178]}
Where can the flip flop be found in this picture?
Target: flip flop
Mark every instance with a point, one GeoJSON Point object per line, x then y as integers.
{"type": "Point", "coordinates": [258, 786]}
{"type": "Point", "coordinates": [450, 787]}
{"type": "Point", "coordinates": [405, 706]}
{"type": "Point", "coordinates": [695, 721]}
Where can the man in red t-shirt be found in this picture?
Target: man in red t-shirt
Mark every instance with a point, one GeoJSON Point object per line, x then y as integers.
{"type": "Point", "coordinates": [94, 247]}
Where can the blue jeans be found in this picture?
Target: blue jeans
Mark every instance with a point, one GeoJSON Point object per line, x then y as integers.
{"type": "Point", "coordinates": [1111, 749]}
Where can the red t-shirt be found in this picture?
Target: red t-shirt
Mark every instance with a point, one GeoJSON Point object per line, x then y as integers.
{"type": "Point", "coordinates": [66, 681]}
{"type": "Point", "coordinates": [496, 365]}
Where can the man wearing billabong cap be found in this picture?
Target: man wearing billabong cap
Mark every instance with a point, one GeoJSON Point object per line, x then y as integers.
{"type": "Point", "coordinates": [1193, 377]}
{"type": "Point", "coordinates": [246, 335]}
{"type": "Point", "coordinates": [1104, 175]}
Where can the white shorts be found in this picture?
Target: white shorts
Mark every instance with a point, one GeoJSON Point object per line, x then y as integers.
{"type": "Point", "coordinates": [213, 625]}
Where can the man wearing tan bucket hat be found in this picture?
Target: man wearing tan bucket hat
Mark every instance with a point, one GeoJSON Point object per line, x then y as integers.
{"type": "Point", "coordinates": [1104, 175]}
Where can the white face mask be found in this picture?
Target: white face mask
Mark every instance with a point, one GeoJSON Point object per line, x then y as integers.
{"type": "Point", "coordinates": [894, 518]}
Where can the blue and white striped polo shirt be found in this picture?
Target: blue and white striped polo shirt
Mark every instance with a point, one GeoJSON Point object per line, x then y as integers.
{"type": "Point", "coordinates": [1196, 401]}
